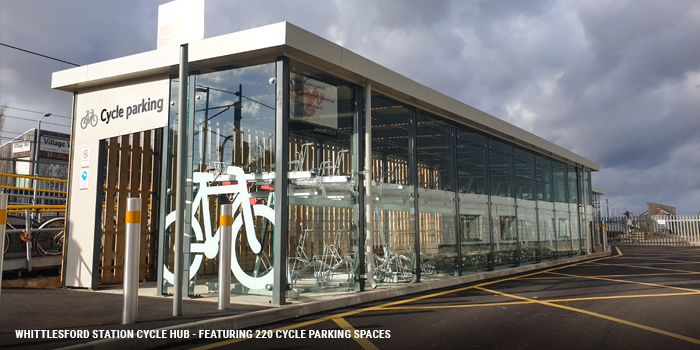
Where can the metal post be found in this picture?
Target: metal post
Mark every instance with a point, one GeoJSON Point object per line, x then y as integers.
{"type": "Point", "coordinates": [180, 185]}
{"type": "Point", "coordinates": [225, 222]}
{"type": "Point", "coordinates": [3, 222]}
{"type": "Point", "coordinates": [281, 235]}
{"type": "Point", "coordinates": [28, 227]}
{"type": "Point", "coordinates": [369, 214]}
{"type": "Point", "coordinates": [605, 228]}
{"type": "Point", "coordinates": [358, 180]}
{"type": "Point", "coordinates": [131, 261]}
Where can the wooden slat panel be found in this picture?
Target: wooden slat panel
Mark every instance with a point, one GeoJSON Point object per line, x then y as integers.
{"type": "Point", "coordinates": [109, 227]}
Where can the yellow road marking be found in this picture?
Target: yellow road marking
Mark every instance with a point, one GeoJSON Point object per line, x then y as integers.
{"type": "Point", "coordinates": [381, 307]}
{"type": "Point", "coordinates": [608, 276]}
{"type": "Point", "coordinates": [633, 282]}
{"type": "Point", "coordinates": [614, 319]}
{"type": "Point", "coordinates": [647, 267]}
{"type": "Point", "coordinates": [664, 259]}
{"type": "Point", "coordinates": [619, 253]}
{"type": "Point", "coordinates": [366, 344]}
{"type": "Point", "coordinates": [532, 302]}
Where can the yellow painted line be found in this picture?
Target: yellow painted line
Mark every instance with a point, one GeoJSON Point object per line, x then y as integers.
{"type": "Point", "coordinates": [225, 220]}
{"type": "Point", "coordinates": [366, 344]}
{"type": "Point", "coordinates": [609, 318]}
{"type": "Point", "coordinates": [648, 267]}
{"type": "Point", "coordinates": [619, 253]}
{"type": "Point", "coordinates": [133, 217]}
{"type": "Point", "coordinates": [455, 306]}
{"type": "Point", "coordinates": [609, 276]}
{"type": "Point", "coordinates": [547, 300]}
{"type": "Point", "coordinates": [381, 307]}
{"type": "Point", "coordinates": [633, 282]}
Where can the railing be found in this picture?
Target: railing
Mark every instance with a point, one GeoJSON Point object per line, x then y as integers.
{"type": "Point", "coordinates": [654, 231]}
{"type": "Point", "coordinates": [35, 229]}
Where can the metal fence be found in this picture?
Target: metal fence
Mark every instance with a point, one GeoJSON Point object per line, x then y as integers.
{"type": "Point", "coordinates": [653, 231]}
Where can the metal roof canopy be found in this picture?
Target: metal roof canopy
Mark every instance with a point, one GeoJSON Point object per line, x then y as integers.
{"type": "Point", "coordinates": [263, 44]}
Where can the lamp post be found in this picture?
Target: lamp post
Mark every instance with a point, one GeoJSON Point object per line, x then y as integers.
{"type": "Point", "coordinates": [36, 154]}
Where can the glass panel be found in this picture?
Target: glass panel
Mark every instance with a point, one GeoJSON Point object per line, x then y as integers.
{"type": "Point", "coordinates": [473, 201]}
{"type": "Point", "coordinates": [574, 210]}
{"type": "Point", "coordinates": [436, 193]}
{"type": "Point", "coordinates": [499, 146]}
{"type": "Point", "coordinates": [546, 225]}
{"type": "Point", "coordinates": [504, 231]}
{"type": "Point", "coordinates": [321, 181]}
{"type": "Point", "coordinates": [232, 139]}
{"type": "Point", "coordinates": [527, 218]}
{"type": "Point", "coordinates": [563, 230]}
{"type": "Point", "coordinates": [392, 191]}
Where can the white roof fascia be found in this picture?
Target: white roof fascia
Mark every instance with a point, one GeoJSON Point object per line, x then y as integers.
{"type": "Point", "coordinates": [285, 38]}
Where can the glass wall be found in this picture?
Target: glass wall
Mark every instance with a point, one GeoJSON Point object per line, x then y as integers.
{"type": "Point", "coordinates": [480, 202]}
{"type": "Point", "coordinates": [393, 187]}
{"type": "Point", "coordinates": [322, 181]}
{"type": "Point", "coordinates": [472, 177]}
{"type": "Point", "coordinates": [526, 206]}
{"type": "Point", "coordinates": [231, 155]}
{"type": "Point", "coordinates": [546, 222]}
{"type": "Point", "coordinates": [575, 218]}
{"type": "Point", "coordinates": [503, 219]}
{"type": "Point", "coordinates": [436, 193]}
{"type": "Point", "coordinates": [562, 225]}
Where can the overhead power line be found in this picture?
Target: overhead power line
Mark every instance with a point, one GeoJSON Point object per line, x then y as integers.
{"type": "Point", "coordinates": [32, 120]}
{"type": "Point", "coordinates": [38, 54]}
{"type": "Point", "coordinates": [27, 110]}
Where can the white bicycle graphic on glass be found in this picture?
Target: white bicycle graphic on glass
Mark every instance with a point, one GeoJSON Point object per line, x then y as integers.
{"type": "Point", "coordinates": [207, 244]}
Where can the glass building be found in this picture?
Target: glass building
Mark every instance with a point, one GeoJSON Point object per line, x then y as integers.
{"type": "Point", "coordinates": [343, 175]}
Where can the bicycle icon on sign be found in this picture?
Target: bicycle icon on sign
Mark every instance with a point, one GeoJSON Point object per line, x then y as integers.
{"type": "Point", "coordinates": [89, 118]}
{"type": "Point", "coordinates": [207, 244]}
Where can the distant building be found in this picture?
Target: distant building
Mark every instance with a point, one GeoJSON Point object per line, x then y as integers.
{"type": "Point", "coordinates": [17, 156]}
{"type": "Point", "coordinates": [659, 209]}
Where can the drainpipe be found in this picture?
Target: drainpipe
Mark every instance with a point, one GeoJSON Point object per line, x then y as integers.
{"type": "Point", "coordinates": [369, 215]}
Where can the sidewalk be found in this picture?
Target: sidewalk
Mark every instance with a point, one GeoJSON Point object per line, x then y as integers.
{"type": "Point", "coordinates": [65, 309]}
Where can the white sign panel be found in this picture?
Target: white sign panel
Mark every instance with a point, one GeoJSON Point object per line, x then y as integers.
{"type": "Point", "coordinates": [22, 146]}
{"type": "Point", "coordinates": [84, 175]}
{"type": "Point", "coordinates": [661, 221]}
{"type": "Point", "coordinates": [313, 101]}
{"type": "Point", "coordinates": [85, 158]}
{"type": "Point", "coordinates": [122, 110]}
{"type": "Point", "coordinates": [53, 144]}
{"type": "Point", "coordinates": [180, 22]}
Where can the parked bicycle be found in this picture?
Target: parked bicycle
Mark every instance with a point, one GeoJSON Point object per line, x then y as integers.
{"type": "Point", "coordinates": [46, 243]}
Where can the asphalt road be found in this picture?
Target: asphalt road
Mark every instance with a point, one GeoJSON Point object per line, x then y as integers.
{"type": "Point", "coordinates": [643, 298]}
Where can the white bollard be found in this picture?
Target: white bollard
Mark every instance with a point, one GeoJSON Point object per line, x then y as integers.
{"type": "Point", "coordinates": [3, 222]}
{"type": "Point", "coordinates": [225, 222]}
{"type": "Point", "coordinates": [131, 261]}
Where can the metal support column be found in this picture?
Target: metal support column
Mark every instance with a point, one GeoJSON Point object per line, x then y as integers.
{"type": "Point", "coordinates": [413, 181]}
{"type": "Point", "coordinates": [358, 213]}
{"type": "Point", "coordinates": [281, 237]}
{"type": "Point", "coordinates": [180, 185]}
{"type": "Point", "coordinates": [225, 222]}
{"type": "Point", "coordinates": [3, 222]}
{"type": "Point", "coordinates": [369, 214]}
{"type": "Point", "coordinates": [455, 187]}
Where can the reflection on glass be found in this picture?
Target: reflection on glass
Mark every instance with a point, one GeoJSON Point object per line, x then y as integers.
{"type": "Point", "coordinates": [545, 208]}
{"type": "Point", "coordinates": [527, 216]}
{"type": "Point", "coordinates": [231, 161]}
{"type": "Point", "coordinates": [562, 216]}
{"type": "Point", "coordinates": [503, 219]}
{"type": "Point", "coordinates": [322, 198]}
{"type": "Point", "coordinates": [473, 200]}
{"type": "Point", "coordinates": [392, 192]}
{"type": "Point", "coordinates": [436, 195]}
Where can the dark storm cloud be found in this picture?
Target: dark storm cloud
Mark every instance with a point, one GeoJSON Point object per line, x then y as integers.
{"type": "Point", "coordinates": [615, 81]}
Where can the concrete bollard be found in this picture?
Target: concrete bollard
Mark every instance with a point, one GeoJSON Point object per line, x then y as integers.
{"type": "Point", "coordinates": [3, 222]}
{"type": "Point", "coordinates": [131, 261]}
{"type": "Point", "coordinates": [225, 222]}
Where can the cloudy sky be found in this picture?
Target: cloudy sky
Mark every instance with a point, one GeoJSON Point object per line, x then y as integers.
{"type": "Point", "coordinates": [615, 81]}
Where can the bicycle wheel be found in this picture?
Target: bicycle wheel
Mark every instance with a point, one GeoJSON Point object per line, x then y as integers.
{"type": "Point", "coordinates": [7, 238]}
{"type": "Point", "coordinates": [51, 243]}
